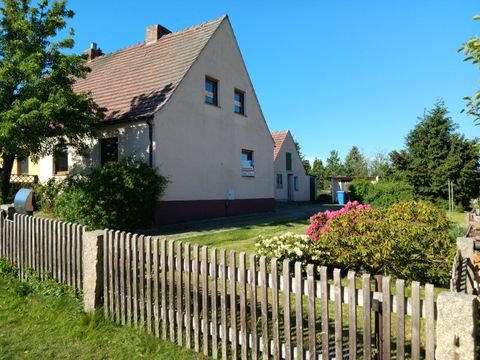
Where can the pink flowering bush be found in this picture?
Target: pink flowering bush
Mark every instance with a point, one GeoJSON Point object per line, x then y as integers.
{"type": "Point", "coordinates": [319, 222]}
{"type": "Point", "coordinates": [408, 240]}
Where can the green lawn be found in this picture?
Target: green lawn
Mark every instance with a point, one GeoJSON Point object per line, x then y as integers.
{"type": "Point", "coordinates": [243, 239]}
{"type": "Point", "coordinates": [37, 326]}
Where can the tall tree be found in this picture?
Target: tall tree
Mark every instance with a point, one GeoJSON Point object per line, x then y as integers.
{"type": "Point", "coordinates": [435, 154]}
{"type": "Point", "coordinates": [334, 165]}
{"type": "Point", "coordinates": [307, 166]}
{"type": "Point", "coordinates": [318, 170]}
{"type": "Point", "coordinates": [380, 166]}
{"type": "Point", "coordinates": [355, 163]}
{"type": "Point", "coordinates": [471, 50]}
{"type": "Point", "coordinates": [38, 107]}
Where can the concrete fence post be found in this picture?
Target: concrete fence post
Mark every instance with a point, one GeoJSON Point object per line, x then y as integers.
{"type": "Point", "coordinates": [93, 269]}
{"type": "Point", "coordinates": [456, 326]}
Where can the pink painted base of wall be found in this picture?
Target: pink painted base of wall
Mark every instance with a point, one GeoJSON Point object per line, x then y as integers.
{"type": "Point", "coordinates": [171, 212]}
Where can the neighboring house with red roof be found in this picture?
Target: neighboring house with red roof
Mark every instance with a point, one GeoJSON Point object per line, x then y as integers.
{"type": "Point", "coordinates": [291, 181]}
{"type": "Point", "coordinates": [184, 103]}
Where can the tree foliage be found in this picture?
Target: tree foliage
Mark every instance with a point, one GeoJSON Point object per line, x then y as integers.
{"type": "Point", "coordinates": [434, 154]}
{"type": "Point", "coordinates": [318, 170]}
{"type": "Point", "coordinates": [355, 163]}
{"type": "Point", "coordinates": [38, 107]}
{"type": "Point", "coordinates": [471, 50]}
{"type": "Point", "coordinates": [334, 166]}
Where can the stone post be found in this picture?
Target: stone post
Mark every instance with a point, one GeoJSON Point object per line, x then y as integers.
{"type": "Point", "coordinates": [92, 269]}
{"type": "Point", "coordinates": [456, 326]}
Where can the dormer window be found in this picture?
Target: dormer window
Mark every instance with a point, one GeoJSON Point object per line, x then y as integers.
{"type": "Point", "coordinates": [211, 91]}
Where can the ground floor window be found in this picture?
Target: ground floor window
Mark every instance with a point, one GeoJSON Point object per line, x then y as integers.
{"type": "Point", "coordinates": [295, 183]}
{"type": "Point", "coordinates": [248, 165]}
{"type": "Point", "coordinates": [109, 150]}
{"type": "Point", "coordinates": [279, 181]}
{"type": "Point", "coordinates": [22, 166]}
{"type": "Point", "coordinates": [60, 161]}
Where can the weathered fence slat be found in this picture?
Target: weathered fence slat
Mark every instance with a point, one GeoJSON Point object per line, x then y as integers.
{"type": "Point", "coordinates": [213, 257]}
{"type": "Point", "coordinates": [386, 308]}
{"type": "Point", "coordinates": [135, 279]}
{"type": "Point", "coordinates": [253, 306]}
{"type": "Point", "coordinates": [179, 319]}
{"type": "Point", "coordinates": [122, 278]}
{"type": "Point", "coordinates": [128, 265]}
{"type": "Point", "coordinates": [430, 323]}
{"type": "Point", "coordinates": [367, 321]}
{"type": "Point", "coordinates": [243, 304]}
{"type": "Point", "coordinates": [324, 312]}
{"type": "Point", "coordinates": [223, 301]}
{"type": "Point", "coordinates": [298, 309]}
{"type": "Point", "coordinates": [141, 284]}
{"type": "Point", "coordinates": [287, 309]}
{"type": "Point", "coordinates": [163, 262]}
{"type": "Point", "coordinates": [171, 290]}
{"type": "Point", "coordinates": [156, 281]}
{"type": "Point", "coordinates": [205, 321]}
{"type": "Point", "coordinates": [196, 317]}
{"type": "Point", "coordinates": [338, 314]}
{"type": "Point", "coordinates": [352, 317]}
{"type": "Point", "coordinates": [148, 280]}
{"type": "Point", "coordinates": [233, 306]}
{"type": "Point", "coordinates": [415, 320]}
{"type": "Point", "coordinates": [188, 304]}
{"type": "Point", "coordinates": [400, 286]}
{"type": "Point", "coordinates": [264, 307]}
{"type": "Point", "coordinates": [312, 346]}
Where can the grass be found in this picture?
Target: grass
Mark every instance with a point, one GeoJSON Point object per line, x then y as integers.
{"type": "Point", "coordinates": [459, 219]}
{"type": "Point", "coordinates": [243, 239]}
{"type": "Point", "coordinates": [40, 326]}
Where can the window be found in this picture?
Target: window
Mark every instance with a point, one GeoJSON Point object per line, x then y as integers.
{"type": "Point", "coordinates": [22, 166]}
{"type": "Point", "coordinates": [239, 102]}
{"type": "Point", "coordinates": [279, 181]}
{"type": "Point", "coordinates": [109, 150]}
{"type": "Point", "coordinates": [289, 161]}
{"type": "Point", "coordinates": [60, 161]}
{"type": "Point", "coordinates": [295, 183]}
{"type": "Point", "coordinates": [211, 91]}
{"type": "Point", "coordinates": [248, 166]}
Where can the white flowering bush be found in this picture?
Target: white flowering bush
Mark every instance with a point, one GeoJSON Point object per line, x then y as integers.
{"type": "Point", "coordinates": [295, 247]}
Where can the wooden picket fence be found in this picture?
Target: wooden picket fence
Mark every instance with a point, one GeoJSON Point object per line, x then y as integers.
{"type": "Point", "coordinates": [49, 247]}
{"type": "Point", "coordinates": [231, 306]}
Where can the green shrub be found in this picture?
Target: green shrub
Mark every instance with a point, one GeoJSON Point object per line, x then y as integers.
{"type": "Point", "coordinates": [118, 196]}
{"type": "Point", "coordinates": [381, 194]}
{"type": "Point", "coordinates": [325, 198]}
{"type": "Point", "coordinates": [47, 193]}
{"type": "Point", "coordinates": [409, 240]}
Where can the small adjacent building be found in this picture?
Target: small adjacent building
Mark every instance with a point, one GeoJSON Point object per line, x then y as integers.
{"type": "Point", "coordinates": [290, 179]}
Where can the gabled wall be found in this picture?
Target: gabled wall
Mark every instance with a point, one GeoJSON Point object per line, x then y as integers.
{"type": "Point", "coordinates": [280, 167]}
{"type": "Point", "coordinates": [198, 145]}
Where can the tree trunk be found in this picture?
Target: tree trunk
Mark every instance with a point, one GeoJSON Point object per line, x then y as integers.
{"type": "Point", "coordinates": [6, 172]}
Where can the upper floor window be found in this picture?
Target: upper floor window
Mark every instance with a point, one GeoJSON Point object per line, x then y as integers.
{"type": "Point", "coordinates": [109, 150]}
{"type": "Point", "coordinates": [239, 102]}
{"type": "Point", "coordinates": [289, 161]}
{"type": "Point", "coordinates": [248, 165]}
{"type": "Point", "coordinates": [60, 161]}
{"type": "Point", "coordinates": [279, 181]}
{"type": "Point", "coordinates": [211, 91]}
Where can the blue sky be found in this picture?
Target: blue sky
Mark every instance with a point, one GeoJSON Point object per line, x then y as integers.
{"type": "Point", "coordinates": [336, 73]}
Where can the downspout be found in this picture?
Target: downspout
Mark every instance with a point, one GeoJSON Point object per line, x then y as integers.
{"type": "Point", "coordinates": [150, 141]}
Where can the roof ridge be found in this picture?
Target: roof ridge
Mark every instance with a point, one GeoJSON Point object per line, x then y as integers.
{"type": "Point", "coordinates": [218, 19]}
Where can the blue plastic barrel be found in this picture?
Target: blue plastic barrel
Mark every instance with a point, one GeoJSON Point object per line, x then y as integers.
{"type": "Point", "coordinates": [341, 197]}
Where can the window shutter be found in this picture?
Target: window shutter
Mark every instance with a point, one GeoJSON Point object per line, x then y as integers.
{"type": "Point", "coordinates": [289, 161]}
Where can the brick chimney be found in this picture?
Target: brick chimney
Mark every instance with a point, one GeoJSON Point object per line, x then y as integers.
{"type": "Point", "coordinates": [93, 51]}
{"type": "Point", "coordinates": [155, 32]}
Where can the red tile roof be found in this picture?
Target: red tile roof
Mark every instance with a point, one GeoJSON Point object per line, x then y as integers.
{"type": "Point", "coordinates": [136, 82]}
{"type": "Point", "coordinates": [278, 138]}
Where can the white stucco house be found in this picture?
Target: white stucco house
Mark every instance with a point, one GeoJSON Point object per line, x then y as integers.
{"type": "Point", "coordinates": [184, 103]}
{"type": "Point", "coordinates": [290, 180]}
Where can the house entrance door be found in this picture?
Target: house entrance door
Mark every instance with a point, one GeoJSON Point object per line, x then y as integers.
{"type": "Point", "coordinates": [290, 186]}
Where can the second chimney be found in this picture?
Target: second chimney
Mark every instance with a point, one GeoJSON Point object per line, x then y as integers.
{"type": "Point", "coordinates": [155, 32]}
